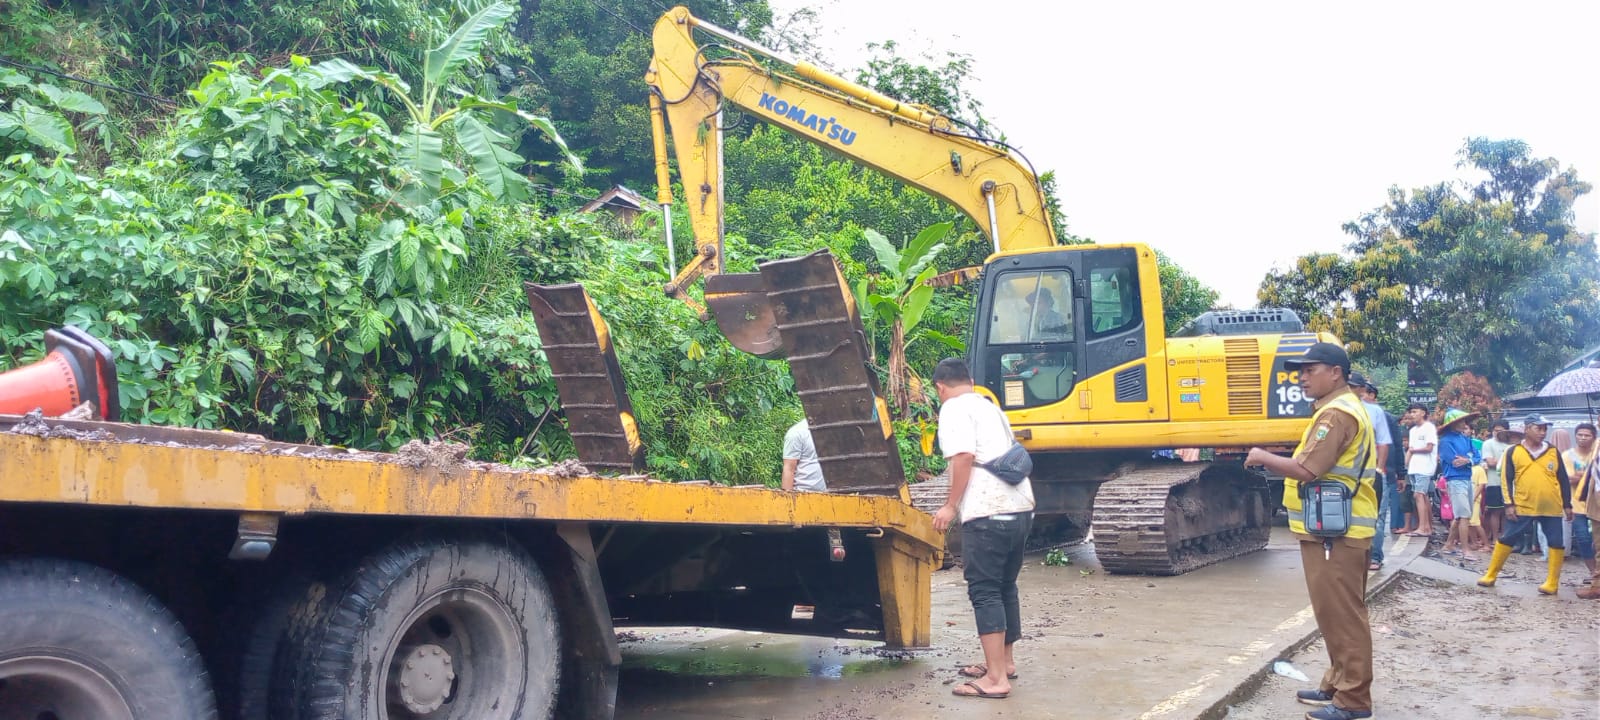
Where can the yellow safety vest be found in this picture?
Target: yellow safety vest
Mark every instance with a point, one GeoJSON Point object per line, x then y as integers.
{"type": "Point", "coordinates": [1353, 468]}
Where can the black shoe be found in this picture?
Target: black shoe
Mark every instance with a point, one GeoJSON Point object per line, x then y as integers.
{"type": "Point", "coordinates": [1334, 712]}
{"type": "Point", "coordinates": [1314, 697]}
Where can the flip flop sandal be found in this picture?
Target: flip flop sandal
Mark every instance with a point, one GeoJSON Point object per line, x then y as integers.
{"type": "Point", "coordinates": [977, 692]}
{"type": "Point", "coordinates": [980, 670]}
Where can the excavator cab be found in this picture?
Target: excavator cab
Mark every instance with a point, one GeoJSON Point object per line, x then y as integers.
{"type": "Point", "coordinates": [1050, 318]}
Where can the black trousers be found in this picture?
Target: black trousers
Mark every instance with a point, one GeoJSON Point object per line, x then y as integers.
{"type": "Point", "coordinates": [991, 548]}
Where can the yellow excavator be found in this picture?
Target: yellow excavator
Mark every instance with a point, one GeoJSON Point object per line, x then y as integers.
{"type": "Point", "coordinates": [1069, 340]}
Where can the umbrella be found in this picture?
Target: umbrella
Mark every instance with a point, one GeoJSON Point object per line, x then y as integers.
{"type": "Point", "coordinates": [1583, 381]}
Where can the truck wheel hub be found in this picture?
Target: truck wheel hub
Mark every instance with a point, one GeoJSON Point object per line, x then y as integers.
{"type": "Point", "coordinates": [425, 678]}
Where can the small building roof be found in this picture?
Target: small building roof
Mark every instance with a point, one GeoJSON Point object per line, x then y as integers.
{"type": "Point", "coordinates": [617, 198]}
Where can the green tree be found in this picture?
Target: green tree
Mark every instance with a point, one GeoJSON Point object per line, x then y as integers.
{"type": "Point", "coordinates": [429, 175]}
{"type": "Point", "coordinates": [1488, 275]}
{"type": "Point", "coordinates": [942, 84]}
{"type": "Point", "coordinates": [897, 298]}
{"type": "Point", "coordinates": [1183, 296]}
{"type": "Point", "coordinates": [585, 68]}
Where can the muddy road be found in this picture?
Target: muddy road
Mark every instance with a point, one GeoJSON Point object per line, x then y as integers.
{"type": "Point", "coordinates": [1095, 646]}
{"type": "Point", "coordinates": [1098, 646]}
{"type": "Point", "coordinates": [1444, 650]}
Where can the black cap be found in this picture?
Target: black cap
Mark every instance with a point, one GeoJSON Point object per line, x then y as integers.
{"type": "Point", "coordinates": [1322, 352]}
{"type": "Point", "coordinates": [1360, 381]}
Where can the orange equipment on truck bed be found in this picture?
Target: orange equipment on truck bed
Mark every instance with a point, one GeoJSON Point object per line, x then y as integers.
{"type": "Point", "coordinates": [76, 369]}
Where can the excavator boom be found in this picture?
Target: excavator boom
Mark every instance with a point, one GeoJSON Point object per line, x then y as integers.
{"type": "Point", "coordinates": [692, 83]}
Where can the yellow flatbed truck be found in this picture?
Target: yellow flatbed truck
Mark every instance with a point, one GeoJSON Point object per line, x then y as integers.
{"type": "Point", "coordinates": [151, 573]}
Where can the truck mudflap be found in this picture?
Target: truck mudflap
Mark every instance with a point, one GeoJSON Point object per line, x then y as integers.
{"type": "Point", "coordinates": [588, 378]}
{"type": "Point", "coordinates": [827, 351]}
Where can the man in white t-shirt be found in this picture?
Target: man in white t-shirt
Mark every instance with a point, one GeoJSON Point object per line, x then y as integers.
{"type": "Point", "coordinates": [995, 519]}
{"type": "Point", "coordinates": [801, 469]}
{"type": "Point", "coordinates": [1422, 461]}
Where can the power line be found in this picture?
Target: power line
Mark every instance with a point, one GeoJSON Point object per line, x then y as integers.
{"type": "Point", "coordinates": [86, 81]}
{"type": "Point", "coordinates": [614, 14]}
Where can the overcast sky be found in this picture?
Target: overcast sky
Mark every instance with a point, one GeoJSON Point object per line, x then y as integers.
{"type": "Point", "coordinates": [1238, 136]}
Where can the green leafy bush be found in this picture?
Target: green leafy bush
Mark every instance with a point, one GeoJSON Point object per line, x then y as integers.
{"type": "Point", "coordinates": [254, 273]}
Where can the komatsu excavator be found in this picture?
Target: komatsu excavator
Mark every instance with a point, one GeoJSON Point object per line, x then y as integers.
{"type": "Point", "coordinates": [1068, 340]}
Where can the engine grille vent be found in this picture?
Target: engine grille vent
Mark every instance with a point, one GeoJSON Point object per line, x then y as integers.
{"type": "Point", "coordinates": [1243, 365]}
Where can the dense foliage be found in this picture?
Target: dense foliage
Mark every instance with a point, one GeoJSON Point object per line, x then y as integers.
{"type": "Point", "coordinates": [255, 273]}
{"type": "Point", "coordinates": [1489, 275]}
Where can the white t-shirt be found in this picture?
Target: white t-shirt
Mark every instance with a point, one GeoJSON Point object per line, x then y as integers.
{"type": "Point", "coordinates": [1424, 463]}
{"type": "Point", "coordinates": [970, 424]}
{"type": "Point", "coordinates": [1493, 448]}
{"type": "Point", "coordinates": [798, 445]}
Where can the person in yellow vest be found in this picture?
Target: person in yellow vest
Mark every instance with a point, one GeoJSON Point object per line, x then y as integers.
{"type": "Point", "coordinates": [1537, 493]}
{"type": "Point", "coordinates": [1337, 446]}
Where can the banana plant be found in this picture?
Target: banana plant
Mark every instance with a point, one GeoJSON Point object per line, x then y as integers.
{"type": "Point", "coordinates": [430, 175]}
{"type": "Point", "coordinates": [898, 297]}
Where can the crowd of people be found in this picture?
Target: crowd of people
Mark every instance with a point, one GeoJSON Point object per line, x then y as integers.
{"type": "Point", "coordinates": [1468, 479]}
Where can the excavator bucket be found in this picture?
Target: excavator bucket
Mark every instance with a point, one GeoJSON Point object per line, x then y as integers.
{"type": "Point", "coordinates": [588, 378]}
{"type": "Point", "coordinates": [740, 306]}
{"type": "Point", "coordinates": [816, 317]}
{"type": "Point", "coordinates": [76, 369]}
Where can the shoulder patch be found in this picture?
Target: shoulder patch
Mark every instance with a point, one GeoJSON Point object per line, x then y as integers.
{"type": "Point", "coordinates": [1322, 431]}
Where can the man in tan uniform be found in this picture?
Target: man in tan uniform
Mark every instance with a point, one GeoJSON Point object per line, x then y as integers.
{"type": "Point", "coordinates": [1338, 446]}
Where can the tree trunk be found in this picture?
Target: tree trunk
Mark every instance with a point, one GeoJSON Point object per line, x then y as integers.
{"type": "Point", "coordinates": [898, 372]}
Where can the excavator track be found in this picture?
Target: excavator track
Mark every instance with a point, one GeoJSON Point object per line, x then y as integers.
{"type": "Point", "coordinates": [1162, 518]}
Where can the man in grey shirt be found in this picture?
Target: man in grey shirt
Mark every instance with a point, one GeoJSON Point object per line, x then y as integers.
{"type": "Point", "coordinates": [801, 470]}
{"type": "Point", "coordinates": [1368, 393]}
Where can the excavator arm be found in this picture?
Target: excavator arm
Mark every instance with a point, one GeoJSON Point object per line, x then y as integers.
{"type": "Point", "coordinates": [690, 86]}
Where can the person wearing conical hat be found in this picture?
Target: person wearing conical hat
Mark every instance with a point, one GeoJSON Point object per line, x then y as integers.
{"type": "Point", "coordinates": [1538, 493]}
{"type": "Point", "coordinates": [1457, 456]}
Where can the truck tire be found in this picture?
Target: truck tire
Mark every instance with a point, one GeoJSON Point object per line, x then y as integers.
{"type": "Point", "coordinates": [436, 629]}
{"type": "Point", "coordinates": [77, 641]}
{"type": "Point", "coordinates": [278, 620]}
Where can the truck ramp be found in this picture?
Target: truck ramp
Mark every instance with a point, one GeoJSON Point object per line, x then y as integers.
{"type": "Point", "coordinates": [588, 377]}
{"type": "Point", "coordinates": [827, 349]}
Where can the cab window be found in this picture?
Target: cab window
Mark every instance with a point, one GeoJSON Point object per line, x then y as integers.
{"type": "Point", "coordinates": [1113, 299]}
{"type": "Point", "coordinates": [1032, 307]}
{"type": "Point", "coordinates": [1033, 314]}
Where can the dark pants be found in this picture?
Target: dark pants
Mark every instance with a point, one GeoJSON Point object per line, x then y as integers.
{"type": "Point", "coordinates": [1553, 532]}
{"type": "Point", "coordinates": [1391, 495]}
{"type": "Point", "coordinates": [991, 548]}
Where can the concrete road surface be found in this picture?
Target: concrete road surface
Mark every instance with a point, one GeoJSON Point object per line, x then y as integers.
{"type": "Point", "coordinates": [1095, 646]}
